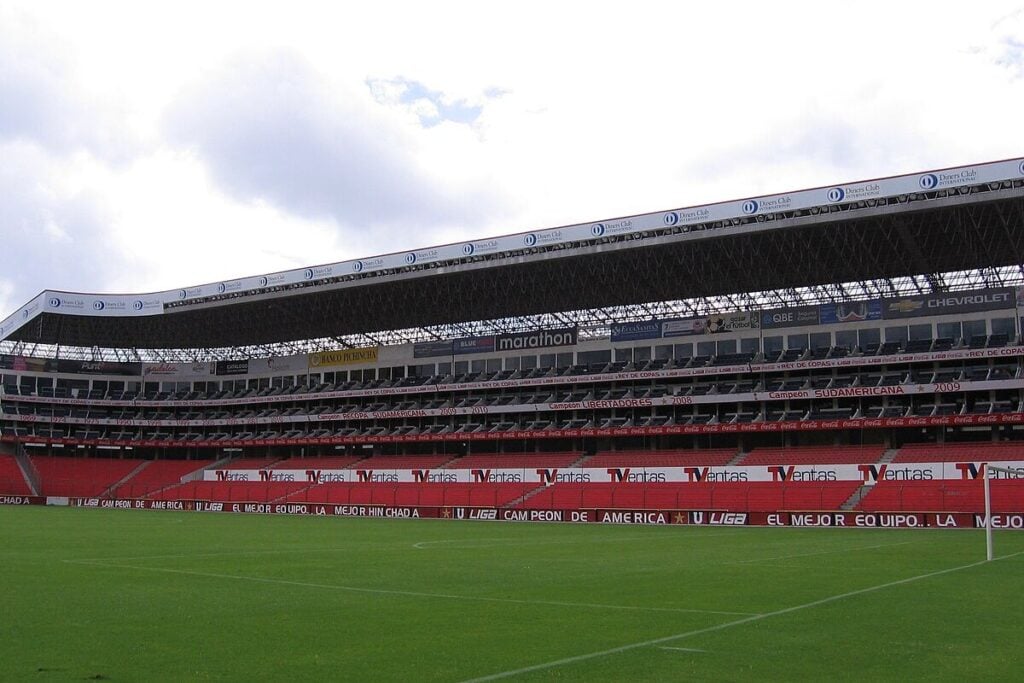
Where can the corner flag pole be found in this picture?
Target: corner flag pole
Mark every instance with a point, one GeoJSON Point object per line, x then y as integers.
{"type": "Point", "coordinates": [986, 470]}
{"type": "Point", "coordinates": [988, 516]}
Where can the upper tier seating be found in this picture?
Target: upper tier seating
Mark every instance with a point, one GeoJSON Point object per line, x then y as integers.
{"type": "Point", "coordinates": [251, 463]}
{"type": "Point", "coordinates": [402, 462]}
{"type": "Point", "coordinates": [328, 462]}
{"type": "Point", "coordinates": [815, 455]}
{"type": "Point", "coordinates": [961, 452]}
{"type": "Point", "coordinates": [514, 460]}
{"type": "Point", "coordinates": [680, 458]}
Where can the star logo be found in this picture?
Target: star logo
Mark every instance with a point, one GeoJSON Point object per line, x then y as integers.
{"type": "Point", "coordinates": [680, 518]}
{"type": "Point", "coordinates": [446, 513]}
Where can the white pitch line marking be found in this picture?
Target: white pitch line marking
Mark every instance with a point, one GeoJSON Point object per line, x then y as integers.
{"type": "Point", "coordinates": [728, 624]}
{"type": "Point", "coordinates": [424, 545]}
{"type": "Point", "coordinates": [681, 649]}
{"type": "Point", "coordinates": [414, 594]}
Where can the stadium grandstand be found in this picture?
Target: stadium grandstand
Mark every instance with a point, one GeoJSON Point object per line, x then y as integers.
{"type": "Point", "coordinates": [852, 349]}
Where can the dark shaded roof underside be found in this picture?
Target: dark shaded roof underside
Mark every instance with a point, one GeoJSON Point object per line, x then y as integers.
{"type": "Point", "coordinates": [822, 250]}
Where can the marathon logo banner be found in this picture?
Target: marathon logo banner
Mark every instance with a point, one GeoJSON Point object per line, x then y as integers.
{"type": "Point", "coordinates": [520, 341]}
{"type": "Point", "coordinates": [951, 303]}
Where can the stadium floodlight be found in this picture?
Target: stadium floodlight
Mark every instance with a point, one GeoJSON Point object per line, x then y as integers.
{"type": "Point", "coordinates": [987, 468]}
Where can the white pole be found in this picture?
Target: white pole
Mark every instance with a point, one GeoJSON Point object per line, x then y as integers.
{"type": "Point", "coordinates": [988, 514]}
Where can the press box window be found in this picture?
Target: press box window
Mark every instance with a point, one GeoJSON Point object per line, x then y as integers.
{"type": "Point", "coordinates": [896, 334]}
{"type": "Point", "coordinates": [920, 332]}
{"type": "Point", "coordinates": [869, 336]}
{"type": "Point", "coordinates": [821, 340]}
{"type": "Point", "coordinates": [796, 341]}
{"type": "Point", "coordinates": [951, 330]}
{"type": "Point", "coordinates": [974, 328]}
{"type": "Point", "coordinates": [1003, 326]}
{"type": "Point", "coordinates": [683, 350]}
{"type": "Point", "coordinates": [846, 338]}
{"type": "Point", "coordinates": [772, 344]}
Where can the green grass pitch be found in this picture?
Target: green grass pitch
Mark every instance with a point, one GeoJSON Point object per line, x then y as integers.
{"type": "Point", "coordinates": [145, 595]}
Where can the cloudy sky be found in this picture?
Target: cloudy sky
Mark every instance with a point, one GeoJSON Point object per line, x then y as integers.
{"type": "Point", "coordinates": [149, 146]}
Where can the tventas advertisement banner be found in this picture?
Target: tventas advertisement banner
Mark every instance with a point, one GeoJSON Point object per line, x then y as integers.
{"type": "Point", "coordinates": [868, 474]}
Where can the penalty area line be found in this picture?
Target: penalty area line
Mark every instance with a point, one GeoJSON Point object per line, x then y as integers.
{"type": "Point", "coordinates": [729, 624]}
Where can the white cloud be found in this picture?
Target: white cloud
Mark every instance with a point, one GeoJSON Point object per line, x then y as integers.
{"type": "Point", "coordinates": [216, 140]}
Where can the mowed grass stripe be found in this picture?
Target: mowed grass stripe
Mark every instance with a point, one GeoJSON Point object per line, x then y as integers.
{"type": "Point", "coordinates": [728, 625]}
{"type": "Point", "coordinates": [67, 620]}
{"type": "Point", "coordinates": [403, 593]}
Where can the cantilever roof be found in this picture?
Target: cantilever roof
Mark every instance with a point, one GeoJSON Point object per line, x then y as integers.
{"type": "Point", "coordinates": [974, 225]}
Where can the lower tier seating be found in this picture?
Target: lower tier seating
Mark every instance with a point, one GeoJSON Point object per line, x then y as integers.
{"type": "Point", "coordinates": [733, 496]}
{"type": "Point", "coordinates": [413, 494]}
{"type": "Point", "coordinates": [943, 496]}
{"type": "Point", "coordinates": [85, 477]}
{"type": "Point", "coordinates": [12, 481]}
{"type": "Point", "coordinates": [157, 475]}
{"type": "Point", "coordinates": [230, 491]}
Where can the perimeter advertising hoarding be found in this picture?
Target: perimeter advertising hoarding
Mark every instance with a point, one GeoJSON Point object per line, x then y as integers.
{"type": "Point", "coordinates": [949, 303]}
{"type": "Point", "coordinates": [28, 364]}
{"type": "Point", "coordinates": [799, 316]}
{"type": "Point", "coordinates": [682, 328]}
{"type": "Point", "coordinates": [473, 345]}
{"type": "Point", "coordinates": [326, 359]}
{"type": "Point", "coordinates": [232, 367]}
{"type": "Point", "coordinates": [84, 367]}
{"type": "Point", "coordinates": [183, 371]}
{"type": "Point", "coordinates": [635, 331]}
{"type": "Point", "coordinates": [432, 349]}
{"type": "Point", "coordinates": [840, 519]}
{"type": "Point", "coordinates": [295, 363]}
{"type": "Point", "coordinates": [731, 322]}
{"type": "Point", "coordinates": [850, 312]}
